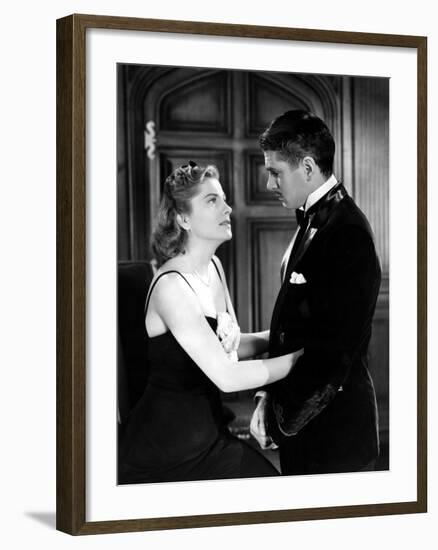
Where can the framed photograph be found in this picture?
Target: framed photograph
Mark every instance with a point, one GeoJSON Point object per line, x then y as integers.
{"type": "Point", "coordinates": [140, 100]}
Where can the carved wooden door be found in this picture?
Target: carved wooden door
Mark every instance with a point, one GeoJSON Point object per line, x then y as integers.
{"type": "Point", "coordinates": [215, 116]}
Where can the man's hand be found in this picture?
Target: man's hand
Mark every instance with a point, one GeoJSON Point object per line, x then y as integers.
{"type": "Point", "coordinates": [257, 426]}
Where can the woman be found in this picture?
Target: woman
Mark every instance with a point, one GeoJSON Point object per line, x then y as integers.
{"type": "Point", "coordinates": [176, 430]}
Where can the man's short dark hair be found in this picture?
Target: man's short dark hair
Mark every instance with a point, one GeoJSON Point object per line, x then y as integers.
{"type": "Point", "coordinates": [297, 134]}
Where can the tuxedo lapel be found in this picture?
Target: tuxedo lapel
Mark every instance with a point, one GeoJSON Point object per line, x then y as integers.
{"type": "Point", "coordinates": [286, 257]}
{"type": "Point", "coordinates": [300, 250]}
{"type": "Point", "coordinates": [296, 255]}
{"type": "Point", "coordinates": [318, 217]}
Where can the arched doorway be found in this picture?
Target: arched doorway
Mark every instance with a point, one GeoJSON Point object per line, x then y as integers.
{"type": "Point", "coordinates": [215, 116]}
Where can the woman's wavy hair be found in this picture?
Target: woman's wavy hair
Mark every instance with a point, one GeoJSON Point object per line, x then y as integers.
{"type": "Point", "coordinates": [169, 238]}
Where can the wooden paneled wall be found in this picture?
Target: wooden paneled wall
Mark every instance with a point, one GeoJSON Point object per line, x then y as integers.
{"type": "Point", "coordinates": [370, 187]}
{"type": "Point", "coordinates": [370, 123]}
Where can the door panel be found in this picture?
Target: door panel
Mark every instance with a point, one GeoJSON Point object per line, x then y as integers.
{"type": "Point", "coordinates": [270, 239]}
{"type": "Point", "coordinates": [202, 104]}
{"type": "Point", "coordinates": [256, 192]}
{"type": "Point", "coordinates": [266, 100]}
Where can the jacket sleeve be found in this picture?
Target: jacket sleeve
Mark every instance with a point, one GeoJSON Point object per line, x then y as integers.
{"type": "Point", "coordinates": [341, 303]}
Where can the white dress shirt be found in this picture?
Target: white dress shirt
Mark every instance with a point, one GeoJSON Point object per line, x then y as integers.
{"type": "Point", "coordinates": [310, 201]}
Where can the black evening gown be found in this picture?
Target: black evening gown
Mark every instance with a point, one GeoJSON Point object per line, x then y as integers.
{"type": "Point", "coordinates": [176, 431]}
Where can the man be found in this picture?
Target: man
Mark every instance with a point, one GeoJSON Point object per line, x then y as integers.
{"type": "Point", "coordinates": [323, 415]}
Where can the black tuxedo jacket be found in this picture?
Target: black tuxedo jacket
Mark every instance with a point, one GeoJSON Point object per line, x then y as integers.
{"type": "Point", "coordinates": [323, 414]}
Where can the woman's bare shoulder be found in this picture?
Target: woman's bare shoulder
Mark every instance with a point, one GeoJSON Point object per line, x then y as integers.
{"type": "Point", "coordinates": [170, 289]}
{"type": "Point", "coordinates": [176, 264]}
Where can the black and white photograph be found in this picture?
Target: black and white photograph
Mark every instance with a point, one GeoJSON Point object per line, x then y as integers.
{"type": "Point", "coordinates": [218, 287]}
{"type": "Point", "coordinates": [252, 274]}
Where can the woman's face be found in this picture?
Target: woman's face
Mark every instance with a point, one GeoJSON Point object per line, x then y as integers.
{"type": "Point", "coordinates": [209, 218]}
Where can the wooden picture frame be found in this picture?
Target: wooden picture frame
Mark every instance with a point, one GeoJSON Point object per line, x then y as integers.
{"type": "Point", "coordinates": [71, 273]}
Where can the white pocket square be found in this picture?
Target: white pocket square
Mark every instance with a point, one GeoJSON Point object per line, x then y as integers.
{"type": "Point", "coordinates": [297, 278]}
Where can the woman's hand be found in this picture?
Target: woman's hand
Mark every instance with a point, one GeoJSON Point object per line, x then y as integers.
{"type": "Point", "coordinates": [228, 333]}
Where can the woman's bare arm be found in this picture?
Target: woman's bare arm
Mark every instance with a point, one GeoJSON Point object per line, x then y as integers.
{"type": "Point", "coordinates": [178, 307]}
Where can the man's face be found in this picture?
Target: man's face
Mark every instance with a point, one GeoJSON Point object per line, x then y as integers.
{"type": "Point", "coordinates": [287, 182]}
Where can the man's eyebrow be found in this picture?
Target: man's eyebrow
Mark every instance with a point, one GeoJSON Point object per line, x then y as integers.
{"type": "Point", "coordinates": [270, 169]}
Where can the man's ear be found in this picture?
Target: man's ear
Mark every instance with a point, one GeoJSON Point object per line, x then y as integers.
{"type": "Point", "coordinates": [309, 166]}
{"type": "Point", "coordinates": [183, 222]}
